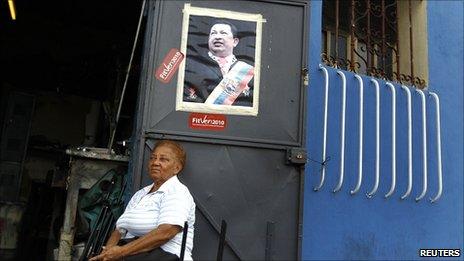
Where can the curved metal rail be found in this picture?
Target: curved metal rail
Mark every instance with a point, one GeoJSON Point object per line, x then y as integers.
{"type": "Point", "coordinates": [324, 142]}
{"type": "Point", "coordinates": [408, 96]}
{"type": "Point", "coordinates": [438, 127]}
{"type": "Point", "coordinates": [424, 145]}
{"type": "Point", "coordinates": [393, 184]}
{"type": "Point", "coordinates": [371, 193]}
{"type": "Point", "coordinates": [360, 154]}
{"type": "Point", "coordinates": [342, 133]}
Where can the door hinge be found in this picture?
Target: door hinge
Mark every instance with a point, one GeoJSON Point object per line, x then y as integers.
{"type": "Point", "coordinates": [296, 156]}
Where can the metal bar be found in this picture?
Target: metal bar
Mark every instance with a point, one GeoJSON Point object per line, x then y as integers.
{"type": "Point", "coordinates": [219, 139]}
{"type": "Point", "coordinates": [98, 232]}
{"type": "Point", "coordinates": [337, 28]}
{"type": "Point", "coordinates": [352, 28]}
{"type": "Point", "coordinates": [184, 241]}
{"type": "Point", "coordinates": [107, 227]}
{"type": "Point", "coordinates": [209, 217]}
{"type": "Point", "coordinates": [302, 131]}
{"type": "Point", "coordinates": [303, 89]}
{"type": "Point", "coordinates": [377, 139]}
{"type": "Point", "coordinates": [342, 133]}
{"type": "Point", "coordinates": [222, 240]}
{"type": "Point", "coordinates": [424, 145]}
{"type": "Point", "coordinates": [139, 152]}
{"type": "Point", "coordinates": [324, 139]}
{"type": "Point", "coordinates": [91, 239]}
{"type": "Point", "coordinates": [361, 119]}
{"type": "Point", "coordinates": [438, 129]}
{"type": "Point", "coordinates": [397, 45]}
{"type": "Point", "coordinates": [411, 43]}
{"type": "Point", "coordinates": [269, 240]}
{"type": "Point", "coordinates": [116, 120]}
{"type": "Point", "coordinates": [368, 47]}
{"type": "Point", "coordinates": [393, 104]}
{"type": "Point", "coordinates": [408, 95]}
{"type": "Point", "coordinates": [383, 39]}
{"type": "Point", "coordinates": [285, 2]}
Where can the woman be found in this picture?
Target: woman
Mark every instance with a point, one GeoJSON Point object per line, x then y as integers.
{"type": "Point", "coordinates": [151, 226]}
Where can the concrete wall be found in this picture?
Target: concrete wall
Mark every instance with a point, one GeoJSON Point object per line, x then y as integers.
{"type": "Point", "coordinates": [343, 226]}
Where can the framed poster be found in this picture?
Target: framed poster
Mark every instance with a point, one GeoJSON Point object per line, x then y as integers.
{"type": "Point", "coordinates": [221, 71]}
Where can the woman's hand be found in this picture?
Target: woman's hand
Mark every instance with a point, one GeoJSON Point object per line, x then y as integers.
{"type": "Point", "coordinates": [109, 253]}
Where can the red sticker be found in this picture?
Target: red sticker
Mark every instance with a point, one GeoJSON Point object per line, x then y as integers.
{"type": "Point", "coordinates": [204, 121]}
{"type": "Point", "coordinates": [170, 64]}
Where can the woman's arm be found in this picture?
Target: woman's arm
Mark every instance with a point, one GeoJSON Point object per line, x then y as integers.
{"type": "Point", "coordinates": [152, 240]}
{"type": "Point", "coordinates": [114, 238]}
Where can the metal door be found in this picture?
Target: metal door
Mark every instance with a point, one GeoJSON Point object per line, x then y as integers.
{"type": "Point", "coordinates": [248, 173]}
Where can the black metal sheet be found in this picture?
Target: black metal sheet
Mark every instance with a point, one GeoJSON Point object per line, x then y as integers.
{"type": "Point", "coordinates": [280, 114]}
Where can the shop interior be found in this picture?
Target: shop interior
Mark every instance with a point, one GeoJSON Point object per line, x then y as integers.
{"type": "Point", "coordinates": [64, 68]}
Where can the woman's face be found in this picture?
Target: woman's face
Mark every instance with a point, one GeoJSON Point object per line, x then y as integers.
{"type": "Point", "coordinates": [163, 164]}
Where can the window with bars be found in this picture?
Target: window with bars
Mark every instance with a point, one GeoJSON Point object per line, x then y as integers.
{"type": "Point", "coordinates": [381, 38]}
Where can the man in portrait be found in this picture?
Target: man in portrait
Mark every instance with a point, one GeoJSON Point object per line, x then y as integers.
{"type": "Point", "coordinates": [217, 76]}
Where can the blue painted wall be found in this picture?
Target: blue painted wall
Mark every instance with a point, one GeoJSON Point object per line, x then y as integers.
{"type": "Point", "coordinates": [344, 226]}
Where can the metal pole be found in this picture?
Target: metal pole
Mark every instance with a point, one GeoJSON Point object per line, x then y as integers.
{"type": "Point", "coordinates": [116, 120]}
{"type": "Point", "coordinates": [377, 139]}
{"type": "Point", "coordinates": [409, 108]}
{"type": "Point", "coordinates": [398, 72]}
{"type": "Point", "coordinates": [342, 133]}
{"type": "Point", "coordinates": [411, 43]}
{"type": "Point", "coordinates": [337, 24]}
{"type": "Point", "coordinates": [438, 128]}
{"type": "Point", "coordinates": [222, 240]}
{"type": "Point", "coordinates": [184, 241]}
{"type": "Point", "coordinates": [324, 141]}
{"type": "Point", "coordinates": [352, 28]}
{"type": "Point", "coordinates": [393, 165]}
{"type": "Point", "coordinates": [368, 48]}
{"type": "Point", "coordinates": [361, 125]}
{"type": "Point", "coordinates": [424, 145]}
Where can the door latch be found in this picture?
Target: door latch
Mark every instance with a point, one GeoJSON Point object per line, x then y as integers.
{"type": "Point", "coordinates": [296, 156]}
{"type": "Point", "coordinates": [305, 75]}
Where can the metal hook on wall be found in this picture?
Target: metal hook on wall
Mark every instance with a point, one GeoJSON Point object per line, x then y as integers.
{"type": "Point", "coordinates": [393, 104]}
{"type": "Point", "coordinates": [377, 140]}
{"type": "Point", "coordinates": [324, 145]}
{"type": "Point", "coordinates": [408, 96]}
{"type": "Point", "coordinates": [360, 154]}
{"type": "Point", "coordinates": [342, 133]}
{"type": "Point", "coordinates": [424, 145]}
{"type": "Point", "coordinates": [438, 129]}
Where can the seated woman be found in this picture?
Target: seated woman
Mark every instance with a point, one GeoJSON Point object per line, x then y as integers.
{"type": "Point", "coordinates": [151, 226]}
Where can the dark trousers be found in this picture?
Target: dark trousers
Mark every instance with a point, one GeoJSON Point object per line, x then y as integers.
{"type": "Point", "coordinates": [156, 254]}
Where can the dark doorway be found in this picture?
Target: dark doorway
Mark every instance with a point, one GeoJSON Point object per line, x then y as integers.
{"type": "Point", "coordinates": [69, 59]}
